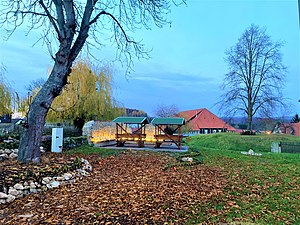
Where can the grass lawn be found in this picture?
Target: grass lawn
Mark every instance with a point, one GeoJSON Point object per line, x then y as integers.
{"type": "Point", "coordinates": [262, 189]}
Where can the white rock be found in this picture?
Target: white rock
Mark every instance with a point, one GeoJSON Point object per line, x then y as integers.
{"type": "Point", "coordinates": [13, 192]}
{"type": "Point", "coordinates": [7, 151]}
{"type": "Point", "coordinates": [5, 156]}
{"type": "Point", "coordinates": [42, 150]}
{"type": "Point", "coordinates": [3, 195]}
{"type": "Point", "coordinates": [10, 198]}
{"type": "Point", "coordinates": [54, 184]}
{"type": "Point", "coordinates": [13, 155]}
{"type": "Point", "coordinates": [250, 152]}
{"type": "Point", "coordinates": [46, 180]}
{"type": "Point", "coordinates": [67, 176]}
{"type": "Point", "coordinates": [84, 161]}
{"type": "Point", "coordinates": [187, 159]}
{"type": "Point", "coordinates": [25, 216]}
{"type": "Point", "coordinates": [1, 151]}
{"type": "Point", "coordinates": [32, 185]}
{"type": "Point", "coordinates": [88, 167]}
{"type": "Point", "coordinates": [15, 151]}
{"type": "Point", "coordinates": [18, 187]}
{"type": "Point", "coordinates": [26, 192]}
{"type": "Point", "coordinates": [33, 190]}
{"type": "Point", "coordinates": [2, 201]}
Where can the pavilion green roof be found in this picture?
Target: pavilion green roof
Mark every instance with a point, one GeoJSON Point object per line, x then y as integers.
{"type": "Point", "coordinates": [168, 121]}
{"type": "Point", "coordinates": [131, 120]}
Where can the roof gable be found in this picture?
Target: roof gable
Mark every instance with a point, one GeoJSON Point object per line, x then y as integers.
{"type": "Point", "coordinates": [203, 118]}
{"type": "Point", "coordinates": [168, 121]}
{"type": "Point", "coordinates": [131, 120]}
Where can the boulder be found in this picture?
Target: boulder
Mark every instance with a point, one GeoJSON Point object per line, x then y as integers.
{"type": "Point", "coordinates": [14, 192]}
{"type": "Point", "coordinates": [33, 190]}
{"type": "Point", "coordinates": [67, 176]}
{"type": "Point", "coordinates": [87, 167]}
{"type": "Point", "coordinates": [13, 155]}
{"type": "Point", "coordinates": [7, 151]}
{"type": "Point", "coordinates": [10, 198]}
{"type": "Point", "coordinates": [53, 184]}
{"type": "Point", "coordinates": [46, 180]}
{"type": "Point", "coordinates": [250, 152]}
{"type": "Point", "coordinates": [4, 156]}
{"type": "Point", "coordinates": [18, 187]}
{"type": "Point", "coordinates": [3, 195]}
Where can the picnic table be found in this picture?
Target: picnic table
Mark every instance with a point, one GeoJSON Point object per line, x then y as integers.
{"type": "Point", "coordinates": [124, 134]}
{"type": "Point", "coordinates": [168, 130]}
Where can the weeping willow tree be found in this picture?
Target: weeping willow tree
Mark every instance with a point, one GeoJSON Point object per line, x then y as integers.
{"type": "Point", "coordinates": [5, 97]}
{"type": "Point", "coordinates": [87, 96]}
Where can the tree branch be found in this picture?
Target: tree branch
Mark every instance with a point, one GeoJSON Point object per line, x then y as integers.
{"type": "Point", "coordinates": [115, 20]}
{"type": "Point", "coordinates": [52, 21]}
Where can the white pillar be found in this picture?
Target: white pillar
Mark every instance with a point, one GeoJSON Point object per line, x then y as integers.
{"type": "Point", "coordinates": [57, 140]}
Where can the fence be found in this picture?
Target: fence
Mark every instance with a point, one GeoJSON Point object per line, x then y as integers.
{"type": "Point", "coordinates": [286, 147]}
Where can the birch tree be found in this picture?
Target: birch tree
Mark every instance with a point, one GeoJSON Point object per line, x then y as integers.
{"type": "Point", "coordinates": [72, 25]}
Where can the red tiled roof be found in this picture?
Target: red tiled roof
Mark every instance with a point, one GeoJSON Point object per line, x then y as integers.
{"type": "Point", "coordinates": [204, 119]}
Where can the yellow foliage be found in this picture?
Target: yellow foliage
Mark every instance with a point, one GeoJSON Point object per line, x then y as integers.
{"type": "Point", "coordinates": [5, 99]}
{"type": "Point", "coordinates": [87, 95]}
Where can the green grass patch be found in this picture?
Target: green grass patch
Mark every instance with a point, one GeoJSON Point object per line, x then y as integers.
{"type": "Point", "coordinates": [237, 142]}
{"type": "Point", "coordinates": [87, 150]}
{"type": "Point", "coordinates": [262, 189]}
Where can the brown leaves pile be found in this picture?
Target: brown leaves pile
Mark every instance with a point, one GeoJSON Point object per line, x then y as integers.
{"type": "Point", "coordinates": [132, 188]}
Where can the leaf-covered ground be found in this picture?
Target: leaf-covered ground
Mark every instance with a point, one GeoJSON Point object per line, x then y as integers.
{"type": "Point", "coordinates": [131, 188]}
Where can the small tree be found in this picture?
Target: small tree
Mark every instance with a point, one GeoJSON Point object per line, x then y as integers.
{"type": "Point", "coordinates": [256, 76]}
{"type": "Point", "coordinates": [166, 111]}
{"type": "Point", "coordinates": [72, 25]}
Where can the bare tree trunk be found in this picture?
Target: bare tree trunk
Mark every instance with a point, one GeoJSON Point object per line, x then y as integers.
{"type": "Point", "coordinates": [29, 149]}
{"type": "Point", "coordinates": [249, 127]}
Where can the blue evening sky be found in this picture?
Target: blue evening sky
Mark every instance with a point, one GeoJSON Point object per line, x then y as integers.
{"type": "Point", "coordinates": [187, 65]}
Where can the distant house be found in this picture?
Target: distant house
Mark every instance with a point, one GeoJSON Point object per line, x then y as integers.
{"type": "Point", "coordinates": [202, 121]}
{"type": "Point", "coordinates": [288, 128]}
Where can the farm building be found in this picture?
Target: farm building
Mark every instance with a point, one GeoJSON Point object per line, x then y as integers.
{"type": "Point", "coordinates": [288, 128]}
{"type": "Point", "coordinates": [202, 121]}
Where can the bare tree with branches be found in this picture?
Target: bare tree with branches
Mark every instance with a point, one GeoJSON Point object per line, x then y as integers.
{"type": "Point", "coordinates": [166, 110]}
{"type": "Point", "coordinates": [256, 76]}
{"type": "Point", "coordinates": [72, 25]}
